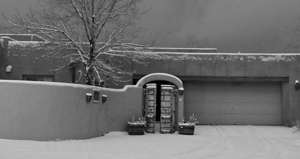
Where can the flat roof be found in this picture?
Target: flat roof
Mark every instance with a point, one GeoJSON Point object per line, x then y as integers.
{"type": "Point", "coordinates": [218, 53]}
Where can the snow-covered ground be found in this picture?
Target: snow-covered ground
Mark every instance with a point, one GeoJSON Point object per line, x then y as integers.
{"type": "Point", "coordinates": [232, 142]}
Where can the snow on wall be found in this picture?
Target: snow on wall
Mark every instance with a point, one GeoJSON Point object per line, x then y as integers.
{"type": "Point", "coordinates": [28, 37]}
{"type": "Point", "coordinates": [24, 43]}
{"type": "Point", "coordinates": [277, 58]}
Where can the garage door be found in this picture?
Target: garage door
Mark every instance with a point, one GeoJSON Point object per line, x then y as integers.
{"type": "Point", "coordinates": [241, 103]}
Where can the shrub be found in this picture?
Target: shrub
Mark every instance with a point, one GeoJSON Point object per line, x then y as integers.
{"type": "Point", "coordinates": [136, 121]}
{"type": "Point", "coordinates": [192, 121]}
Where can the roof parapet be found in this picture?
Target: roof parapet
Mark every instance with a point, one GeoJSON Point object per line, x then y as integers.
{"type": "Point", "coordinates": [185, 50]}
{"type": "Point", "coordinates": [22, 37]}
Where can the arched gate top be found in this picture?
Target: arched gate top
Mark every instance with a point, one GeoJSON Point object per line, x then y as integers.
{"type": "Point", "coordinates": [160, 76]}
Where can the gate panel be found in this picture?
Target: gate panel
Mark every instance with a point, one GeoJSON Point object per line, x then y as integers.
{"type": "Point", "coordinates": [167, 107]}
{"type": "Point", "coordinates": [150, 107]}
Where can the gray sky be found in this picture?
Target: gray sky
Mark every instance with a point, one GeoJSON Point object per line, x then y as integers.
{"type": "Point", "coordinates": [8, 6]}
{"type": "Point", "coordinates": [229, 25]}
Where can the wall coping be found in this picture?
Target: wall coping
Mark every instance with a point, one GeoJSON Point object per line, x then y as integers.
{"type": "Point", "coordinates": [61, 84]}
{"type": "Point", "coordinates": [239, 54]}
{"type": "Point", "coordinates": [160, 76]}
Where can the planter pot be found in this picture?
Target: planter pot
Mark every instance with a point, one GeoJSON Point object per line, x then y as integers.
{"type": "Point", "coordinates": [186, 129]}
{"type": "Point", "coordinates": [136, 129]}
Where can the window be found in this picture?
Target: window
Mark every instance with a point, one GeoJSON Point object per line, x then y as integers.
{"type": "Point", "coordinates": [49, 78]}
{"type": "Point", "coordinates": [96, 96]}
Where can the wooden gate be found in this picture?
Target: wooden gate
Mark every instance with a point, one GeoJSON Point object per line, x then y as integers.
{"type": "Point", "coordinates": [167, 109]}
{"type": "Point", "coordinates": [150, 107]}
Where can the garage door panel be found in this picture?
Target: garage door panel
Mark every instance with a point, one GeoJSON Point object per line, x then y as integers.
{"type": "Point", "coordinates": [234, 103]}
{"type": "Point", "coordinates": [236, 86]}
{"type": "Point", "coordinates": [222, 96]}
{"type": "Point", "coordinates": [275, 108]}
{"type": "Point", "coordinates": [239, 119]}
{"type": "Point", "coordinates": [275, 118]}
{"type": "Point", "coordinates": [219, 107]}
{"type": "Point", "coordinates": [208, 118]}
{"type": "Point", "coordinates": [193, 107]}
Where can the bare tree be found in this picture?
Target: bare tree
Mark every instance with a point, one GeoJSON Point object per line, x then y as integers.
{"type": "Point", "coordinates": [293, 35]}
{"type": "Point", "coordinates": [194, 42]}
{"type": "Point", "coordinates": [100, 31]}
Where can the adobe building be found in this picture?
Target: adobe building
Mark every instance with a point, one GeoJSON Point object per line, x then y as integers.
{"type": "Point", "coordinates": [219, 88]}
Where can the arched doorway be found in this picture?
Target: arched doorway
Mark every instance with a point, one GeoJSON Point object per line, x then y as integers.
{"type": "Point", "coordinates": [165, 105]}
{"type": "Point", "coordinates": [158, 85]}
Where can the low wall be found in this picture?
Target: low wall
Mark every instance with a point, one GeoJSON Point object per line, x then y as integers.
{"type": "Point", "coordinates": [49, 111]}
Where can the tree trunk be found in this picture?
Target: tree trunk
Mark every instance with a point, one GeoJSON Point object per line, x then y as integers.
{"type": "Point", "coordinates": [90, 71]}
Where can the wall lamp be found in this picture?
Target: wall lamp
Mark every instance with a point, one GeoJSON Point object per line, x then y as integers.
{"type": "Point", "coordinates": [181, 91]}
{"type": "Point", "coordinates": [297, 85]}
{"type": "Point", "coordinates": [88, 97]}
{"type": "Point", "coordinates": [104, 98]}
{"type": "Point", "coordinates": [8, 68]}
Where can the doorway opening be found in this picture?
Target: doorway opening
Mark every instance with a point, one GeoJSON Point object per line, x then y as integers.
{"type": "Point", "coordinates": [160, 106]}
{"type": "Point", "coordinates": [171, 91]}
{"type": "Point", "coordinates": [159, 85]}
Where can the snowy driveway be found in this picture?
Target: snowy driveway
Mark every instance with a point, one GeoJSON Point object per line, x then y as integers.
{"type": "Point", "coordinates": [208, 142]}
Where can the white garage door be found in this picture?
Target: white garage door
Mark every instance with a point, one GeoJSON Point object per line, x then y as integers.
{"type": "Point", "coordinates": [241, 103]}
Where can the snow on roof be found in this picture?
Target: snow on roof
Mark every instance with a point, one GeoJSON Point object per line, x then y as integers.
{"type": "Point", "coordinates": [237, 54]}
{"type": "Point", "coordinates": [8, 38]}
{"type": "Point", "coordinates": [24, 37]}
{"type": "Point", "coordinates": [190, 50]}
{"type": "Point", "coordinates": [24, 43]}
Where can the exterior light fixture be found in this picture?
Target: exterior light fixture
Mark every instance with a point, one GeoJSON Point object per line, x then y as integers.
{"type": "Point", "coordinates": [8, 69]}
{"type": "Point", "coordinates": [88, 97]}
{"type": "Point", "coordinates": [181, 91]}
{"type": "Point", "coordinates": [104, 98]}
{"type": "Point", "coordinates": [297, 85]}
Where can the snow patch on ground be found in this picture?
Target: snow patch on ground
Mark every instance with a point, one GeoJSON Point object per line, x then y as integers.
{"type": "Point", "coordinates": [232, 142]}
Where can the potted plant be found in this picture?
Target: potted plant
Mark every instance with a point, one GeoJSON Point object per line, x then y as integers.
{"type": "Point", "coordinates": [187, 128]}
{"type": "Point", "coordinates": [136, 126]}
{"type": "Point", "coordinates": [296, 125]}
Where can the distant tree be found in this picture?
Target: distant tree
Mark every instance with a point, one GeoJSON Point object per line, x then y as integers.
{"type": "Point", "coordinates": [257, 48]}
{"type": "Point", "coordinates": [100, 31]}
{"type": "Point", "coordinates": [293, 33]}
{"type": "Point", "coordinates": [194, 42]}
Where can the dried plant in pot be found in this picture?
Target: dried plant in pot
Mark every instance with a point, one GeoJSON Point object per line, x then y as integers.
{"type": "Point", "coordinates": [187, 127]}
{"type": "Point", "coordinates": [296, 126]}
{"type": "Point", "coordinates": [136, 126]}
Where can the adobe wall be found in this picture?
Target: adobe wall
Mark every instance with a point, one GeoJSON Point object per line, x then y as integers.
{"type": "Point", "coordinates": [27, 60]}
{"type": "Point", "coordinates": [223, 65]}
{"type": "Point", "coordinates": [284, 68]}
{"type": "Point", "coordinates": [3, 48]}
{"type": "Point", "coordinates": [49, 111]}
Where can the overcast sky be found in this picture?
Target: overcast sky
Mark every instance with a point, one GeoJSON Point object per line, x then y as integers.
{"type": "Point", "coordinates": [229, 25]}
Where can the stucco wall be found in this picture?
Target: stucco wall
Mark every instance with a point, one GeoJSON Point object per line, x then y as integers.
{"type": "Point", "coordinates": [26, 59]}
{"type": "Point", "coordinates": [222, 65]}
{"type": "Point", "coordinates": [2, 52]}
{"type": "Point", "coordinates": [50, 111]}
{"type": "Point", "coordinates": [284, 68]}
